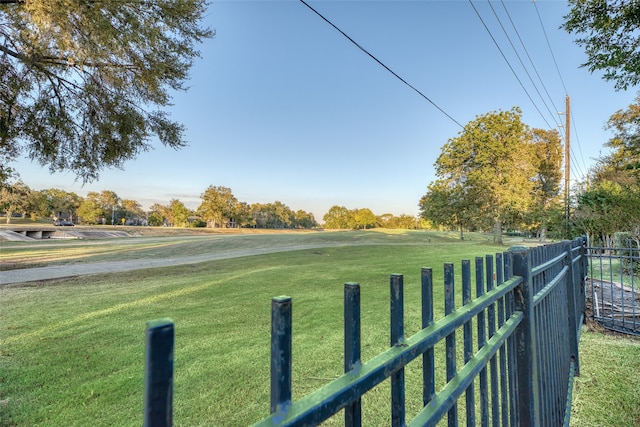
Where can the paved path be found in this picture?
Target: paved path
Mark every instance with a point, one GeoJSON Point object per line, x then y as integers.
{"type": "Point", "coordinates": [71, 270]}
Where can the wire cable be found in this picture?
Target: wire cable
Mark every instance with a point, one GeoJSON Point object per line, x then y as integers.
{"type": "Point", "coordinates": [563, 85]}
{"type": "Point", "coordinates": [533, 65]}
{"type": "Point", "coordinates": [382, 64]}
{"type": "Point", "coordinates": [515, 51]}
{"type": "Point", "coordinates": [509, 64]}
{"type": "Point", "coordinates": [549, 44]}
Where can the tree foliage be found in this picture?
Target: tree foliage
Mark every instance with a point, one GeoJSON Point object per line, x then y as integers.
{"type": "Point", "coordinates": [337, 217]}
{"type": "Point", "coordinates": [450, 204]}
{"type": "Point", "coordinates": [178, 214]}
{"type": "Point", "coordinates": [83, 84]}
{"type": "Point", "coordinates": [363, 218]}
{"type": "Point", "coordinates": [14, 198]}
{"type": "Point", "coordinates": [99, 207]}
{"type": "Point", "coordinates": [273, 215]}
{"type": "Point", "coordinates": [609, 32]}
{"type": "Point", "coordinates": [608, 207]}
{"type": "Point", "coordinates": [61, 203]}
{"type": "Point", "coordinates": [625, 144]}
{"type": "Point", "coordinates": [485, 174]}
{"type": "Point", "coordinates": [547, 157]}
{"type": "Point", "coordinates": [218, 206]}
{"type": "Point", "coordinates": [132, 212]}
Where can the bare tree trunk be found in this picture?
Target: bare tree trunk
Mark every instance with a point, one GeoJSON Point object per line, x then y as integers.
{"type": "Point", "coordinates": [497, 232]}
{"type": "Point", "coordinates": [543, 233]}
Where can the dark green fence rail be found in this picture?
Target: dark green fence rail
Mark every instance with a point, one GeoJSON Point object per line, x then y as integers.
{"type": "Point", "coordinates": [520, 348]}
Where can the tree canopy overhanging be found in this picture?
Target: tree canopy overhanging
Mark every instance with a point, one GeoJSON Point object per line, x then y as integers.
{"type": "Point", "coordinates": [608, 31]}
{"type": "Point", "coordinates": [83, 83]}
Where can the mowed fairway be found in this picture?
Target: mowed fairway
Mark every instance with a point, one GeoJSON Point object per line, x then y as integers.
{"type": "Point", "coordinates": [72, 350]}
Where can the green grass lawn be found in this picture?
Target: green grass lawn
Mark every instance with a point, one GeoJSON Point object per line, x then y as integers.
{"type": "Point", "coordinates": [72, 351]}
{"type": "Point", "coordinates": [607, 392]}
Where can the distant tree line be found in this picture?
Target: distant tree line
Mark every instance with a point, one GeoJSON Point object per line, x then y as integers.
{"type": "Point", "coordinates": [219, 208]}
{"type": "Point", "coordinates": [341, 218]}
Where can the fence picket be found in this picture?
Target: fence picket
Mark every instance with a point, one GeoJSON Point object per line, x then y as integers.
{"type": "Point", "coordinates": [352, 348]}
{"type": "Point", "coordinates": [524, 362]}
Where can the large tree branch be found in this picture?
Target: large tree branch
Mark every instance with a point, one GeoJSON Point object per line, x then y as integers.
{"type": "Point", "coordinates": [52, 60]}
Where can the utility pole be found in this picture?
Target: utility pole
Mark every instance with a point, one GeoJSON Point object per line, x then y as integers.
{"type": "Point", "coordinates": [567, 165]}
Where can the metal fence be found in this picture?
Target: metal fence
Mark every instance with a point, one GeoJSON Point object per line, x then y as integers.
{"type": "Point", "coordinates": [613, 294]}
{"type": "Point", "coordinates": [519, 348]}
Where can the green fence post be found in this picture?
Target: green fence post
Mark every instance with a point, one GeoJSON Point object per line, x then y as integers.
{"type": "Point", "coordinates": [158, 381]}
{"type": "Point", "coordinates": [280, 356]}
{"type": "Point", "coordinates": [572, 306]}
{"type": "Point", "coordinates": [526, 355]}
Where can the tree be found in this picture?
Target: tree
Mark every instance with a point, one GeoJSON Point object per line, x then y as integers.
{"type": "Point", "coordinates": [38, 205]}
{"type": "Point", "coordinates": [609, 32]}
{"type": "Point", "coordinates": [450, 204]}
{"type": "Point", "coordinates": [273, 215]}
{"type": "Point", "coordinates": [338, 217]}
{"type": "Point", "coordinates": [243, 215]}
{"type": "Point", "coordinates": [62, 203]}
{"type": "Point", "coordinates": [283, 215]}
{"type": "Point", "coordinates": [178, 214]}
{"type": "Point", "coordinates": [487, 169]}
{"type": "Point", "coordinates": [132, 212]}
{"type": "Point", "coordinates": [110, 203]}
{"type": "Point", "coordinates": [83, 83]}
{"type": "Point", "coordinates": [363, 218]}
{"type": "Point", "coordinates": [403, 221]}
{"type": "Point", "coordinates": [547, 155]}
{"type": "Point", "coordinates": [218, 206]}
{"type": "Point", "coordinates": [157, 215]}
{"type": "Point", "coordinates": [90, 211]}
{"type": "Point", "coordinates": [625, 144]}
{"type": "Point", "coordinates": [304, 219]}
{"type": "Point", "coordinates": [99, 207]}
{"type": "Point", "coordinates": [14, 198]}
{"type": "Point", "coordinates": [406, 222]}
{"type": "Point", "coordinates": [605, 208]}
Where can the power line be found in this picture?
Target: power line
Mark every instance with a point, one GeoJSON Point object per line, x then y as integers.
{"type": "Point", "coordinates": [509, 64]}
{"type": "Point", "coordinates": [565, 89]}
{"type": "Point", "coordinates": [533, 65]}
{"type": "Point", "coordinates": [519, 58]}
{"type": "Point", "coordinates": [382, 64]}
{"type": "Point", "coordinates": [549, 44]}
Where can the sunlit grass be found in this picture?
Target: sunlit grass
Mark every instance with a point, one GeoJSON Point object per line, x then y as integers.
{"type": "Point", "coordinates": [72, 351]}
{"type": "Point", "coordinates": [54, 252]}
{"type": "Point", "coordinates": [607, 392]}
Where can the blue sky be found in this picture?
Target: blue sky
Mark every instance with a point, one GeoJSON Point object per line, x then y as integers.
{"type": "Point", "coordinates": [283, 107]}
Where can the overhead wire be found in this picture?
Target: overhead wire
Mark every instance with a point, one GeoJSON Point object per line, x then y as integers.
{"type": "Point", "coordinates": [526, 51]}
{"type": "Point", "coordinates": [546, 37]}
{"type": "Point", "coordinates": [508, 63]}
{"type": "Point", "coordinates": [577, 166]}
{"type": "Point", "coordinates": [582, 175]}
{"type": "Point", "coordinates": [562, 131]}
{"type": "Point", "coordinates": [515, 51]}
{"type": "Point", "coordinates": [382, 64]}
